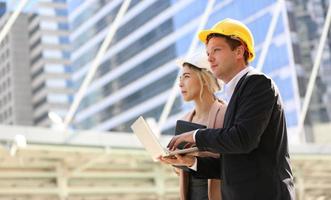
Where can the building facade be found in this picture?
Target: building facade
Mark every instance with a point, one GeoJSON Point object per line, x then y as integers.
{"type": "Point", "coordinates": [138, 71]}
{"type": "Point", "coordinates": [15, 82]}
{"type": "Point", "coordinates": [139, 58]}
{"type": "Point", "coordinates": [307, 19]}
{"type": "Point", "coordinates": [49, 59]}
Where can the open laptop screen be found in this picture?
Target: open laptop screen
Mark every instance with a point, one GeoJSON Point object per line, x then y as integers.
{"type": "Point", "coordinates": [148, 139]}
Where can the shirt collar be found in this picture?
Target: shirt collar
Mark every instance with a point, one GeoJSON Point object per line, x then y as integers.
{"type": "Point", "coordinates": [228, 88]}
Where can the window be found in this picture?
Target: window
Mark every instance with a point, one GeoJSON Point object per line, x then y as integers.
{"type": "Point", "coordinates": [4, 86]}
{"type": "Point", "coordinates": [61, 12]}
{"type": "Point", "coordinates": [34, 30]}
{"type": "Point", "coordinates": [143, 68]}
{"type": "Point", "coordinates": [37, 73]}
{"type": "Point", "coordinates": [35, 44]}
{"type": "Point", "coordinates": [8, 67]}
{"type": "Point", "coordinates": [48, 25]}
{"type": "Point", "coordinates": [41, 118]}
{"type": "Point", "coordinates": [3, 72]}
{"type": "Point", "coordinates": [38, 88]}
{"type": "Point", "coordinates": [52, 54]}
{"type": "Point", "coordinates": [36, 58]}
{"type": "Point", "coordinates": [10, 112]}
{"type": "Point", "coordinates": [56, 83]}
{"type": "Point", "coordinates": [5, 100]}
{"type": "Point", "coordinates": [39, 103]}
{"type": "Point", "coordinates": [50, 39]}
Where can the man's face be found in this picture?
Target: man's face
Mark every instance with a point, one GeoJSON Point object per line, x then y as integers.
{"type": "Point", "coordinates": [222, 58]}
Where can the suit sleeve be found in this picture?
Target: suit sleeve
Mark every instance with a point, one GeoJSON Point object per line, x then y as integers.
{"type": "Point", "coordinates": [254, 108]}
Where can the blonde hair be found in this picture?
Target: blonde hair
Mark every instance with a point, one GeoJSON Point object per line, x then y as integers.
{"type": "Point", "coordinates": [206, 78]}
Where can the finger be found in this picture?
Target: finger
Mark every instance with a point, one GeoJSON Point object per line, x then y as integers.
{"type": "Point", "coordinates": [188, 145]}
{"type": "Point", "coordinates": [169, 146]}
{"type": "Point", "coordinates": [185, 160]}
{"type": "Point", "coordinates": [175, 144]}
{"type": "Point", "coordinates": [160, 159]}
{"type": "Point", "coordinates": [165, 160]}
{"type": "Point", "coordinates": [172, 142]}
{"type": "Point", "coordinates": [179, 157]}
{"type": "Point", "coordinates": [171, 161]}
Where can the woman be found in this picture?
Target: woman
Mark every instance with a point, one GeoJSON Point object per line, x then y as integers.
{"type": "Point", "coordinates": [197, 84]}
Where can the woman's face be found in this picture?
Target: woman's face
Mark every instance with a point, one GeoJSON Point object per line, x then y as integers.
{"type": "Point", "coordinates": [189, 84]}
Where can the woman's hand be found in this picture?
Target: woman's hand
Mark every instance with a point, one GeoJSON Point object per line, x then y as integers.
{"type": "Point", "coordinates": [178, 160]}
{"type": "Point", "coordinates": [176, 170]}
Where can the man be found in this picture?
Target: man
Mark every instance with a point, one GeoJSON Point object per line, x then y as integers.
{"type": "Point", "coordinates": [254, 162]}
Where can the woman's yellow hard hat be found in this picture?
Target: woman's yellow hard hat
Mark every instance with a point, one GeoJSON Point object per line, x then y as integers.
{"type": "Point", "coordinates": [234, 29]}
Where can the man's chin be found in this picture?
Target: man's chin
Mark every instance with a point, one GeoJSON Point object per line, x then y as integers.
{"type": "Point", "coordinates": [216, 73]}
{"type": "Point", "coordinates": [218, 76]}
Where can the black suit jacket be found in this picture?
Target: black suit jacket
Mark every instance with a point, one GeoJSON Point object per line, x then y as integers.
{"type": "Point", "coordinates": [254, 162]}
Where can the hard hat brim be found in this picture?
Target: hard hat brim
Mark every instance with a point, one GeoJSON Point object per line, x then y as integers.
{"type": "Point", "coordinates": [204, 34]}
{"type": "Point", "coordinates": [203, 38]}
{"type": "Point", "coordinates": [180, 62]}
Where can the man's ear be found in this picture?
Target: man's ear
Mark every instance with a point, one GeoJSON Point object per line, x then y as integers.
{"type": "Point", "coordinates": [240, 50]}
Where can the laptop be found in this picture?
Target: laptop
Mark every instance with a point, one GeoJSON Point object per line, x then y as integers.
{"type": "Point", "coordinates": [148, 139]}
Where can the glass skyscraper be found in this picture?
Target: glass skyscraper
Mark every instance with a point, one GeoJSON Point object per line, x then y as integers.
{"type": "Point", "coordinates": [307, 18]}
{"type": "Point", "coordinates": [138, 71]}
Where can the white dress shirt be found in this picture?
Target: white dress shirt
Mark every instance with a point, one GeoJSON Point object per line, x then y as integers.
{"type": "Point", "coordinates": [225, 94]}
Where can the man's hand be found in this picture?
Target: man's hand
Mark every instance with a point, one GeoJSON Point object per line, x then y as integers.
{"type": "Point", "coordinates": [178, 160]}
{"type": "Point", "coordinates": [176, 140]}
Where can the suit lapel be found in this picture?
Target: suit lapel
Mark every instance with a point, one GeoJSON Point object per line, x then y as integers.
{"type": "Point", "coordinates": [230, 111]}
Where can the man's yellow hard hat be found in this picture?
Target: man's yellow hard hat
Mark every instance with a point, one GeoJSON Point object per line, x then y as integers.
{"type": "Point", "coordinates": [234, 29]}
